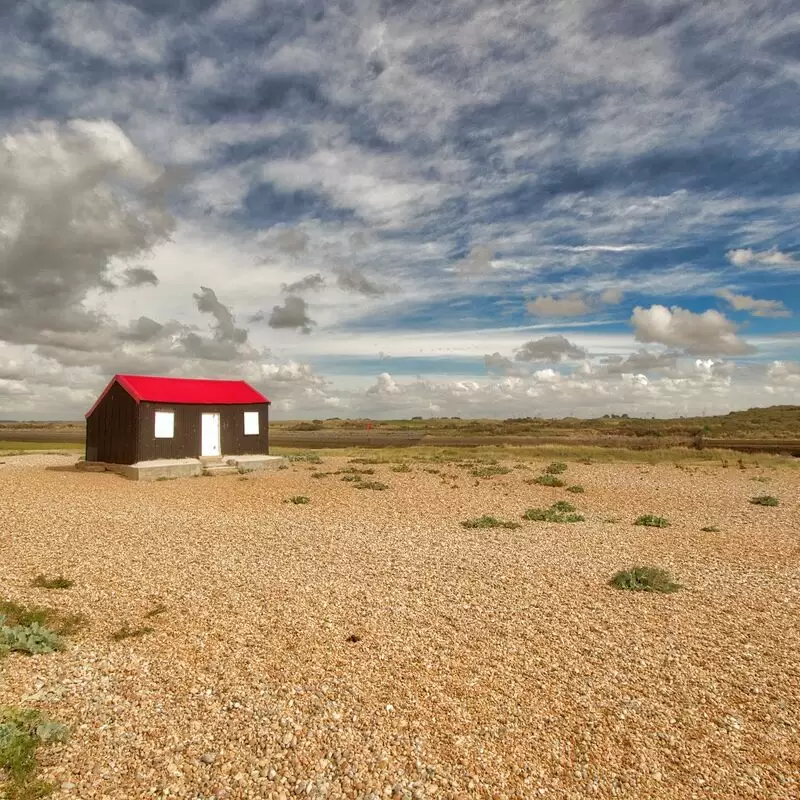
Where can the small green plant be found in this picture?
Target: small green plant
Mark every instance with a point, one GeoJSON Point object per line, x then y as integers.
{"type": "Point", "coordinates": [558, 512]}
{"type": "Point", "coordinates": [547, 480]}
{"type": "Point", "coordinates": [356, 471]}
{"type": "Point", "coordinates": [401, 468]}
{"type": "Point", "coordinates": [351, 478]}
{"type": "Point", "coordinates": [22, 731]}
{"type": "Point", "coordinates": [764, 500]}
{"type": "Point", "coordinates": [555, 468]}
{"type": "Point", "coordinates": [652, 521]}
{"type": "Point", "coordinates": [710, 529]}
{"type": "Point", "coordinates": [32, 639]}
{"type": "Point", "coordinates": [60, 582]}
{"type": "Point", "coordinates": [126, 632]}
{"type": "Point", "coordinates": [487, 521]}
{"type": "Point", "coordinates": [15, 615]}
{"type": "Point", "coordinates": [489, 471]}
{"type": "Point", "coordinates": [299, 500]}
{"type": "Point", "coordinates": [576, 489]}
{"type": "Point", "coordinates": [644, 579]}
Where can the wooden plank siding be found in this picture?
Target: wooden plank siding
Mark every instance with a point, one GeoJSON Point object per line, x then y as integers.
{"type": "Point", "coordinates": [111, 429]}
{"type": "Point", "coordinates": [185, 442]}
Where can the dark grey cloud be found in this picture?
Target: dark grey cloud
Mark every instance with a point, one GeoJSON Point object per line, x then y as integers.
{"type": "Point", "coordinates": [292, 314]}
{"type": "Point", "coordinates": [550, 350]}
{"type": "Point", "coordinates": [225, 329]}
{"type": "Point", "coordinates": [310, 282]}
{"type": "Point", "coordinates": [351, 279]}
{"type": "Point", "coordinates": [140, 276]}
{"type": "Point", "coordinates": [498, 364]}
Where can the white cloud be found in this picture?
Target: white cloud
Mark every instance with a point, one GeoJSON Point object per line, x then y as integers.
{"type": "Point", "coordinates": [758, 308]}
{"type": "Point", "coordinates": [709, 333]}
{"type": "Point", "coordinates": [547, 306]}
{"type": "Point", "coordinates": [746, 257]}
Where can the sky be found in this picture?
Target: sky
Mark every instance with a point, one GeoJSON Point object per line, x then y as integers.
{"type": "Point", "coordinates": [391, 208]}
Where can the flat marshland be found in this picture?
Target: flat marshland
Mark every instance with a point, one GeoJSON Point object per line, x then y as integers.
{"type": "Point", "coordinates": [238, 642]}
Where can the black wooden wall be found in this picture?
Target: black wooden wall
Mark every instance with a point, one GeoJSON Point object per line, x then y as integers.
{"type": "Point", "coordinates": [111, 429]}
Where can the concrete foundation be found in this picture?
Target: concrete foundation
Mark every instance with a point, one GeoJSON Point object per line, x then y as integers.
{"type": "Point", "coordinates": [168, 468]}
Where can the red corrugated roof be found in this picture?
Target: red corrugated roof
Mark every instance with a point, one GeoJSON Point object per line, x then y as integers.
{"type": "Point", "coordinates": [199, 391]}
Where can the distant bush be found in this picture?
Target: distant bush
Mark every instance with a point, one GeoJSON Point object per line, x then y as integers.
{"type": "Point", "coordinates": [644, 579]}
{"type": "Point", "coordinates": [60, 582]}
{"type": "Point", "coordinates": [376, 485]}
{"type": "Point", "coordinates": [764, 500]}
{"type": "Point", "coordinates": [306, 426]}
{"type": "Point", "coordinates": [487, 521]}
{"type": "Point", "coordinates": [547, 480]}
{"type": "Point", "coordinates": [351, 478]}
{"type": "Point", "coordinates": [652, 521]}
{"type": "Point", "coordinates": [563, 505]}
{"type": "Point", "coordinates": [299, 500]}
{"type": "Point", "coordinates": [576, 489]}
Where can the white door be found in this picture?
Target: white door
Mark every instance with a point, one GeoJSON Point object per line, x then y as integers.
{"type": "Point", "coordinates": [209, 443]}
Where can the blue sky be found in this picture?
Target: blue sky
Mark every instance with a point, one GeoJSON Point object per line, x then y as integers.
{"type": "Point", "coordinates": [376, 208]}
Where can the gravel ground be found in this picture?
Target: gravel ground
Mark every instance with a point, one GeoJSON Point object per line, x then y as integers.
{"type": "Point", "coordinates": [366, 645]}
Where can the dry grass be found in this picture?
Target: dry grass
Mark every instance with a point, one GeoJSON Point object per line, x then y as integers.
{"type": "Point", "coordinates": [368, 644]}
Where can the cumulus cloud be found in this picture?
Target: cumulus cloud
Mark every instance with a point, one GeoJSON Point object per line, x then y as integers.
{"type": "Point", "coordinates": [496, 363]}
{"type": "Point", "coordinates": [639, 362]}
{"type": "Point", "coordinates": [758, 308]}
{"type": "Point", "coordinates": [573, 305]}
{"type": "Point", "coordinates": [550, 349]}
{"type": "Point", "coordinates": [292, 241]}
{"type": "Point", "coordinates": [478, 262]}
{"type": "Point", "coordinates": [745, 257]}
{"type": "Point", "coordinates": [611, 297]}
{"type": "Point", "coordinates": [706, 334]}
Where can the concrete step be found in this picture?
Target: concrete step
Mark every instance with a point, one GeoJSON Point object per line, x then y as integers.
{"type": "Point", "coordinates": [219, 469]}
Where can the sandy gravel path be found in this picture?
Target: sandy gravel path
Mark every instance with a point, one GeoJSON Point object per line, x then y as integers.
{"type": "Point", "coordinates": [366, 645]}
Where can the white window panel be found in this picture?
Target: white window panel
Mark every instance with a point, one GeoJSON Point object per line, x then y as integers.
{"type": "Point", "coordinates": [250, 423]}
{"type": "Point", "coordinates": [165, 424]}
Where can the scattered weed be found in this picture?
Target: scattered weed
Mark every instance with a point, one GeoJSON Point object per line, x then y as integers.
{"type": "Point", "coordinates": [371, 460]}
{"type": "Point", "coordinates": [489, 471]}
{"type": "Point", "coordinates": [555, 468]}
{"type": "Point", "coordinates": [60, 582]}
{"type": "Point", "coordinates": [710, 529]}
{"type": "Point", "coordinates": [351, 478]}
{"type": "Point", "coordinates": [547, 480]}
{"type": "Point", "coordinates": [126, 632]}
{"type": "Point", "coordinates": [764, 500]}
{"type": "Point", "coordinates": [558, 512]}
{"type": "Point", "coordinates": [283, 466]}
{"type": "Point", "coordinates": [155, 611]}
{"type": "Point", "coordinates": [576, 489]}
{"type": "Point", "coordinates": [401, 468]}
{"type": "Point", "coordinates": [432, 470]}
{"type": "Point", "coordinates": [321, 474]}
{"type": "Point", "coordinates": [62, 624]}
{"type": "Point", "coordinates": [310, 458]}
{"type": "Point", "coordinates": [21, 733]}
{"type": "Point", "coordinates": [652, 521]}
{"type": "Point", "coordinates": [487, 521]}
{"type": "Point", "coordinates": [376, 485]}
{"type": "Point", "coordinates": [353, 638]}
{"type": "Point", "coordinates": [299, 500]}
{"type": "Point", "coordinates": [32, 639]}
{"type": "Point", "coordinates": [644, 579]}
{"type": "Point", "coordinates": [587, 461]}
{"type": "Point", "coordinates": [356, 471]}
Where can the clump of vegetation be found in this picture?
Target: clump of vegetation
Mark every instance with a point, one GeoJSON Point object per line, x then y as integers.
{"type": "Point", "coordinates": [558, 512]}
{"type": "Point", "coordinates": [357, 471]}
{"type": "Point", "coordinates": [401, 468]}
{"type": "Point", "coordinates": [22, 731]}
{"type": "Point", "coordinates": [652, 521]}
{"type": "Point", "coordinates": [59, 582]}
{"type": "Point", "coordinates": [362, 460]}
{"type": "Point", "coordinates": [547, 480]}
{"type": "Point", "coordinates": [555, 468]}
{"type": "Point", "coordinates": [352, 478]}
{"type": "Point", "coordinates": [432, 470]}
{"type": "Point", "coordinates": [309, 458]}
{"type": "Point", "coordinates": [764, 500]}
{"type": "Point", "coordinates": [318, 474]}
{"type": "Point", "coordinates": [299, 500]}
{"type": "Point", "coordinates": [126, 632]}
{"type": "Point", "coordinates": [576, 489]}
{"type": "Point", "coordinates": [63, 624]}
{"type": "Point", "coordinates": [33, 639]}
{"type": "Point", "coordinates": [489, 471]}
{"type": "Point", "coordinates": [710, 529]}
{"type": "Point", "coordinates": [644, 579]}
{"type": "Point", "coordinates": [376, 485]}
{"type": "Point", "coordinates": [487, 521]}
